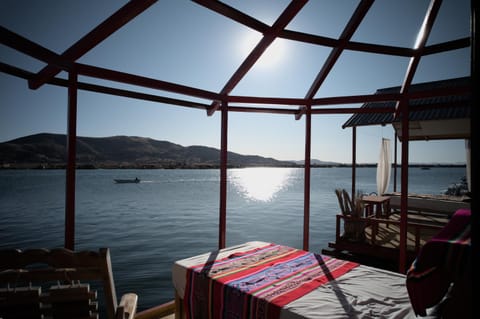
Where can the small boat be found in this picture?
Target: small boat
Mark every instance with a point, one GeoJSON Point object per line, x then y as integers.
{"type": "Point", "coordinates": [124, 181]}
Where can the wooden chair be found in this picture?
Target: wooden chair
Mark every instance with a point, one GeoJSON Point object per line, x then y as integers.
{"type": "Point", "coordinates": [349, 208]}
{"type": "Point", "coordinates": [41, 283]}
{"type": "Point", "coordinates": [344, 201]}
{"type": "Point", "coordinates": [354, 222]}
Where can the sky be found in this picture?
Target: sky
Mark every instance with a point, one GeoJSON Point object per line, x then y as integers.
{"type": "Point", "coordinates": [185, 43]}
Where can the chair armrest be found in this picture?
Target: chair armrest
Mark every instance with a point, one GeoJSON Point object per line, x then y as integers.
{"type": "Point", "coordinates": [127, 307]}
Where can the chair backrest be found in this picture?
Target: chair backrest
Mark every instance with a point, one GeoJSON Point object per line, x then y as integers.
{"type": "Point", "coordinates": [339, 194]}
{"type": "Point", "coordinates": [344, 201]}
{"type": "Point", "coordinates": [40, 282]}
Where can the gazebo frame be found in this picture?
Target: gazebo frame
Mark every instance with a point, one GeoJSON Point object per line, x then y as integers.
{"type": "Point", "coordinates": [222, 101]}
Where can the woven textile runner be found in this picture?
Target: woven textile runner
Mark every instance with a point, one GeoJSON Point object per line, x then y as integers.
{"type": "Point", "coordinates": [447, 253]}
{"type": "Point", "coordinates": [258, 282]}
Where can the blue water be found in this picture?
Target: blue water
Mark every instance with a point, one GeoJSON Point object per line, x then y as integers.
{"type": "Point", "coordinates": [173, 214]}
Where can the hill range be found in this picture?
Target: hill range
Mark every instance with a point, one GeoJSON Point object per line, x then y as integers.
{"type": "Point", "coordinates": [46, 150]}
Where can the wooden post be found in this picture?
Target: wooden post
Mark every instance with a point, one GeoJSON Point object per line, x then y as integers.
{"type": "Point", "coordinates": [71, 162]}
{"type": "Point", "coordinates": [306, 202]}
{"type": "Point", "coordinates": [223, 177]}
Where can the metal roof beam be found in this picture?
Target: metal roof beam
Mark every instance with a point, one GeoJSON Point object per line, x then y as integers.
{"type": "Point", "coordinates": [346, 35]}
{"type": "Point", "coordinates": [117, 76]}
{"type": "Point", "coordinates": [349, 45]}
{"type": "Point", "coordinates": [234, 14]}
{"type": "Point", "coordinates": [269, 36]}
{"type": "Point", "coordinates": [94, 37]}
{"type": "Point", "coordinates": [422, 37]}
{"type": "Point", "coordinates": [446, 46]}
{"type": "Point", "coordinates": [352, 110]}
{"type": "Point", "coordinates": [8, 69]}
{"type": "Point", "coordinates": [261, 110]}
{"type": "Point", "coordinates": [266, 100]}
{"type": "Point", "coordinates": [350, 99]}
{"type": "Point", "coordinates": [30, 48]}
{"type": "Point", "coordinates": [259, 26]}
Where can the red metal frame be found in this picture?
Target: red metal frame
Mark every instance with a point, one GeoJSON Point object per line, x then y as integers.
{"type": "Point", "coordinates": [71, 162]}
{"type": "Point", "coordinates": [402, 107]}
{"type": "Point", "coordinates": [306, 192]}
{"type": "Point", "coordinates": [308, 105]}
{"type": "Point", "coordinates": [222, 224]}
{"type": "Point", "coordinates": [268, 37]}
{"type": "Point", "coordinates": [346, 35]}
{"type": "Point", "coordinates": [89, 41]}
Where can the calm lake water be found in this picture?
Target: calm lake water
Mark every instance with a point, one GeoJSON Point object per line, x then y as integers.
{"type": "Point", "coordinates": [173, 214]}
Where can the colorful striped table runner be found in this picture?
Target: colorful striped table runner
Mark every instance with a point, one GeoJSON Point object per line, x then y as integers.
{"type": "Point", "coordinates": [257, 283]}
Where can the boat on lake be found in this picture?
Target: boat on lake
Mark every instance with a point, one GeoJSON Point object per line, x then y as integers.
{"type": "Point", "coordinates": [126, 181]}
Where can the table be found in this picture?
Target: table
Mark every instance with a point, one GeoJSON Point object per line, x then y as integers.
{"type": "Point", "coordinates": [380, 205]}
{"type": "Point", "coordinates": [203, 283]}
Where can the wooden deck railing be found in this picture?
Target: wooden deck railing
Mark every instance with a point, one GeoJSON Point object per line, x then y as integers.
{"type": "Point", "coordinates": [419, 228]}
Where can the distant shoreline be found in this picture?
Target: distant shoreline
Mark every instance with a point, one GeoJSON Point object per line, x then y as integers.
{"type": "Point", "coordinates": [202, 166]}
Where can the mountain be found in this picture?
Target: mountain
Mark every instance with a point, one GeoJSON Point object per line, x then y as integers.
{"type": "Point", "coordinates": [49, 150]}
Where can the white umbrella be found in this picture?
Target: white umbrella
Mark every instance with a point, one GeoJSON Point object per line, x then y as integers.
{"type": "Point", "coordinates": [383, 167]}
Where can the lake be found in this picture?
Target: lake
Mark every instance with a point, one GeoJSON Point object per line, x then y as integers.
{"type": "Point", "coordinates": [173, 214]}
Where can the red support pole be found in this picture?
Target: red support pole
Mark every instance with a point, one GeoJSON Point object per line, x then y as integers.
{"type": "Point", "coordinates": [402, 265]}
{"type": "Point", "coordinates": [71, 162]}
{"type": "Point", "coordinates": [223, 177]}
{"type": "Point", "coordinates": [354, 161]}
{"type": "Point", "coordinates": [395, 165]}
{"type": "Point", "coordinates": [402, 108]}
{"type": "Point", "coordinates": [306, 202]}
{"type": "Point", "coordinates": [474, 152]}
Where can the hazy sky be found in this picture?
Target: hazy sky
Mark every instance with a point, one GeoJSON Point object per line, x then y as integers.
{"type": "Point", "coordinates": [182, 42]}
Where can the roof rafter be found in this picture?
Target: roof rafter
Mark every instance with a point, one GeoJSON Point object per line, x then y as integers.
{"type": "Point", "coordinates": [261, 27]}
{"type": "Point", "coordinates": [234, 14]}
{"type": "Point", "coordinates": [93, 38]}
{"type": "Point", "coordinates": [30, 48]}
{"type": "Point", "coordinates": [269, 36]}
{"type": "Point", "coordinates": [446, 46]}
{"type": "Point", "coordinates": [346, 35]}
{"type": "Point", "coordinates": [123, 77]}
{"type": "Point", "coordinates": [422, 37]}
{"type": "Point", "coordinates": [12, 70]}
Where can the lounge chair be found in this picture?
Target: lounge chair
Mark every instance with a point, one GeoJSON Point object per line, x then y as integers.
{"type": "Point", "coordinates": [41, 283]}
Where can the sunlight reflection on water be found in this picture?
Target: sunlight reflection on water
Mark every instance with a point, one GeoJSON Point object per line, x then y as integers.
{"type": "Point", "coordinates": [260, 183]}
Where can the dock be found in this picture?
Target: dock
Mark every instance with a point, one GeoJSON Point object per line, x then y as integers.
{"type": "Point", "coordinates": [379, 245]}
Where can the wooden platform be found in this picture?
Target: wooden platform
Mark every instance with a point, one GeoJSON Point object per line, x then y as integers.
{"type": "Point", "coordinates": [445, 205]}
{"type": "Point", "coordinates": [380, 247]}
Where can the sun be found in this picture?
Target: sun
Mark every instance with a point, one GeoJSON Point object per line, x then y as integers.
{"type": "Point", "coordinates": [271, 57]}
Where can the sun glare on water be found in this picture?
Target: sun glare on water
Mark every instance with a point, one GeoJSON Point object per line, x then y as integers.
{"type": "Point", "coordinates": [260, 183]}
